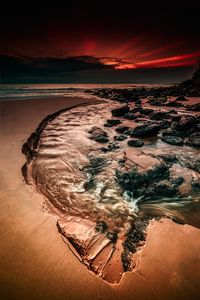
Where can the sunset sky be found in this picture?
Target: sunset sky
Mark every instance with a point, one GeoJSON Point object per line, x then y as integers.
{"type": "Point", "coordinates": [151, 34]}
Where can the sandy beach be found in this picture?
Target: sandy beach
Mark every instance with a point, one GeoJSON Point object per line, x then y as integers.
{"type": "Point", "coordinates": [37, 264]}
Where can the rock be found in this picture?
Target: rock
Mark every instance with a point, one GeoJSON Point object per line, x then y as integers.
{"type": "Point", "coordinates": [158, 101]}
{"type": "Point", "coordinates": [130, 116]}
{"type": "Point", "coordinates": [194, 107]}
{"type": "Point", "coordinates": [189, 161]}
{"type": "Point", "coordinates": [98, 134]}
{"type": "Point", "coordinates": [162, 189]}
{"type": "Point", "coordinates": [120, 111]}
{"type": "Point", "coordinates": [178, 180]}
{"type": "Point", "coordinates": [186, 123]}
{"type": "Point", "coordinates": [101, 227]}
{"type": "Point", "coordinates": [138, 182]}
{"type": "Point", "coordinates": [172, 140]}
{"type": "Point", "coordinates": [122, 129]}
{"type": "Point", "coordinates": [158, 115]}
{"type": "Point", "coordinates": [146, 130]}
{"type": "Point", "coordinates": [175, 117]}
{"type": "Point", "coordinates": [101, 139]}
{"type": "Point", "coordinates": [173, 132]}
{"type": "Point", "coordinates": [112, 122]}
{"type": "Point", "coordinates": [173, 104]}
{"type": "Point", "coordinates": [181, 98]}
{"type": "Point", "coordinates": [194, 140]}
{"type": "Point", "coordinates": [110, 147]}
{"type": "Point", "coordinates": [135, 143]}
{"type": "Point", "coordinates": [120, 137]}
{"type": "Point", "coordinates": [112, 236]}
{"type": "Point", "coordinates": [146, 111]}
{"type": "Point", "coordinates": [165, 124]}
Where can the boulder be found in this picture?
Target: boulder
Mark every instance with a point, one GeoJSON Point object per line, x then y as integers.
{"type": "Point", "coordinates": [98, 134]}
{"type": "Point", "coordinates": [181, 98]}
{"type": "Point", "coordinates": [112, 122]}
{"type": "Point", "coordinates": [158, 115]}
{"type": "Point", "coordinates": [130, 116]}
{"type": "Point", "coordinates": [172, 140]}
{"type": "Point", "coordinates": [135, 143]}
{"type": "Point", "coordinates": [194, 107]}
{"type": "Point", "coordinates": [120, 111]}
{"type": "Point", "coordinates": [194, 140]}
{"type": "Point", "coordinates": [122, 129]}
{"type": "Point", "coordinates": [146, 130]}
{"type": "Point", "coordinates": [120, 137]}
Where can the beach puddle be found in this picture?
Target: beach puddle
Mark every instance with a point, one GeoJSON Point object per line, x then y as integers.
{"type": "Point", "coordinates": [86, 176]}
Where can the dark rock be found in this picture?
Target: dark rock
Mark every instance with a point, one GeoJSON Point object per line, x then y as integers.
{"type": "Point", "coordinates": [195, 185]}
{"type": "Point", "coordinates": [186, 123]}
{"type": "Point", "coordinates": [146, 130]}
{"type": "Point", "coordinates": [170, 159]}
{"type": "Point", "coordinates": [135, 143]}
{"type": "Point", "coordinates": [120, 137]}
{"type": "Point", "coordinates": [138, 182]}
{"type": "Point", "coordinates": [113, 121]}
{"type": "Point", "coordinates": [98, 134]}
{"type": "Point", "coordinates": [158, 115]}
{"type": "Point", "coordinates": [120, 111]}
{"type": "Point", "coordinates": [130, 116]}
{"type": "Point", "coordinates": [194, 140]}
{"type": "Point", "coordinates": [112, 236]}
{"type": "Point", "coordinates": [189, 161]}
{"type": "Point", "coordinates": [101, 139]}
{"type": "Point", "coordinates": [110, 147]}
{"type": "Point", "coordinates": [101, 226]}
{"type": "Point", "coordinates": [122, 129]}
{"type": "Point", "coordinates": [173, 104]}
{"type": "Point", "coordinates": [178, 181]}
{"type": "Point", "coordinates": [146, 111]}
{"type": "Point", "coordinates": [172, 140]}
{"type": "Point", "coordinates": [181, 98]}
{"type": "Point", "coordinates": [162, 190]}
{"type": "Point", "coordinates": [95, 166]}
{"type": "Point", "coordinates": [173, 132]}
{"type": "Point", "coordinates": [158, 101]}
{"type": "Point", "coordinates": [165, 124]}
{"type": "Point", "coordinates": [175, 118]}
{"type": "Point", "coordinates": [194, 107]}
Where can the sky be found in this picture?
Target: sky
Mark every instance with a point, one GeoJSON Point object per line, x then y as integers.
{"type": "Point", "coordinates": [120, 35]}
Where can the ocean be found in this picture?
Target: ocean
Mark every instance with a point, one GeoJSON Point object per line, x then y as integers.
{"type": "Point", "coordinates": [27, 91]}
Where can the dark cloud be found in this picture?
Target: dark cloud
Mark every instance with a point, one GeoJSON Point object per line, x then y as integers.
{"type": "Point", "coordinates": [82, 69]}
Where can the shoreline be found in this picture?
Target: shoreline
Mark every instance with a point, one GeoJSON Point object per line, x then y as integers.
{"type": "Point", "coordinates": [35, 260]}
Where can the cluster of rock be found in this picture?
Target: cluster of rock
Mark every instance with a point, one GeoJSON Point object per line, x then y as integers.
{"type": "Point", "coordinates": [189, 88]}
{"type": "Point", "coordinates": [172, 128]}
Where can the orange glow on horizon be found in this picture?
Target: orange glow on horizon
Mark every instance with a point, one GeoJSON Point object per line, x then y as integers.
{"type": "Point", "coordinates": [172, 61]}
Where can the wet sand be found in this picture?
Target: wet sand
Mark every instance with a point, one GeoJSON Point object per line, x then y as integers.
{"type": "Point", "coordinates": [37, 264]}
